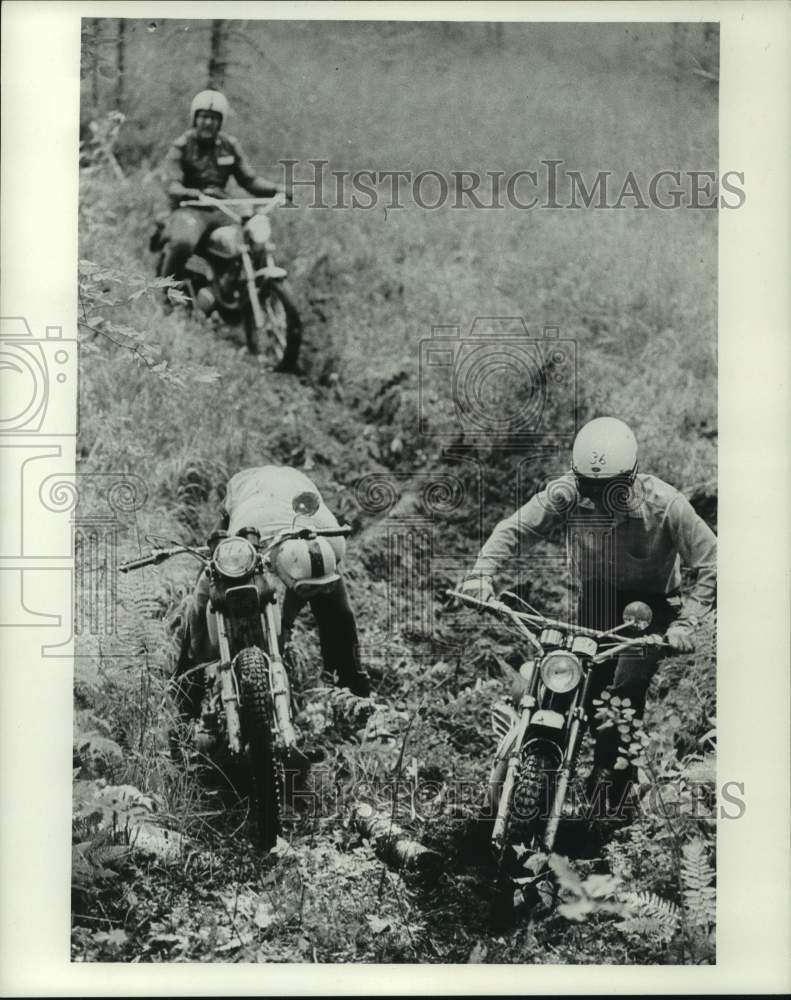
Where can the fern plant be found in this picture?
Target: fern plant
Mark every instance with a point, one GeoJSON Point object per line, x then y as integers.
{"type": "Point", "coordinates": [649, 916]}
{"type": "Point", "coordinates": [697, 877]}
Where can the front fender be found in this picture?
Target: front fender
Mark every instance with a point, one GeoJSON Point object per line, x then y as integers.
{"type": "Point", "coordinates": [272, 273]}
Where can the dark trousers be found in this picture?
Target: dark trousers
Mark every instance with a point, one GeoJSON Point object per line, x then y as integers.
{"type": "Point", "coordinates": [630, 675]}
{"type": "Point", "coordinates": [340, 646]}
{"type": "Point", "coordinates": [186, 227]}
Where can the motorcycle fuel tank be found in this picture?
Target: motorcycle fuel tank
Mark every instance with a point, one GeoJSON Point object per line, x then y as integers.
{"type": "Point", "coordinates": [225, 242]}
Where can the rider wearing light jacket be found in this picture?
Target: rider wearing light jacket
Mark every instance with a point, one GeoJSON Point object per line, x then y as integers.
{"type": "Point", "coordinates": [629, 533]}
{"type": "Point", "coordinates": [265, 498]}
{"type": "Point", "coordinates": [202, 160]}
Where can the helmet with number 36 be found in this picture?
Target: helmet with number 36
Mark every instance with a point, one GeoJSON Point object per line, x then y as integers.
{"type": "Point", "coordinates": [603, 449]}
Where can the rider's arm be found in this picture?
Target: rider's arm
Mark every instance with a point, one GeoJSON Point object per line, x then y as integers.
{"type": "Point", "coordinates": [223, 521]}
{"type": "Point", "coordinates": [225, 507]}
{"type": "Point", "coordinates": [246, 176]}
{"type": "Point", "coordinates": [697, 546]}
{"type": "Point", "coordinates": [514, 534]}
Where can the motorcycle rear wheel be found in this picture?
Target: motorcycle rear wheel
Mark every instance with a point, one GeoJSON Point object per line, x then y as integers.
{"type": "Point", "coordinates": [253, 675]}
{"type": "Point", "coordinates": [281, 336]}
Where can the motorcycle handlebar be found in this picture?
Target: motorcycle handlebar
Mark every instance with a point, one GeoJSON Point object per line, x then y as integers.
{"type": "Point", "coordinates": [160, 555]}
{"type": "Point", "coordinates": [497, 607]}
{"type": "Point", "coordinates": [223, 204]}
{"type": "Point", "coordinates": [648, 640]}
{"type": "Point", "coordinates": [474, 602]}
{"type": "Point", "coordinates": [287, 534]}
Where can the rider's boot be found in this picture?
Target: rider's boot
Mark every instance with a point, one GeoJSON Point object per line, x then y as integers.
{"type": "Point", "coordinates": [623, 796]}
{"type": "Point", "coordinates": [356, 680]}
{"type": "Point", "coordinates": [611, 795]}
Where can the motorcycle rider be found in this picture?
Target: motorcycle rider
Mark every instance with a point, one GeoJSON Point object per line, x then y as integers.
{"type": "Point", "coordinates": [265, 498]}
{"type": "Point", "coordinates": [631, 533]}
{"type": "Point", "coordinates": [202, 160]}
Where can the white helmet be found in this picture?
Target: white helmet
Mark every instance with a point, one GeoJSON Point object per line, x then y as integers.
{"type": "Point", "coordinates": [307, 566]}
{"type": "Point", "coordinates": [209, 100]}
{"type": "Point", "coordinates": [604, 448]}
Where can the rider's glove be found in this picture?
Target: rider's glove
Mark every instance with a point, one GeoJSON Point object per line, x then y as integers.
{"type": "Point", "coordinates": [479, 587]}
{"type": "Point", "coordinates": [681, 636]}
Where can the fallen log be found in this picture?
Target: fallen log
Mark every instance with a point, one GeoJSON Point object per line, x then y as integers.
{"type": "Point", "coordinates": [393, 844]}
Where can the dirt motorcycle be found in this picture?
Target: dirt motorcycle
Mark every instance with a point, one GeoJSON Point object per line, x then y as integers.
{"type": "Point", "coordinates": [233, 275]}
{"type": "Point", "coordinates": [245, 706]}
{"type": "Point", "coordinates": [541, 727]}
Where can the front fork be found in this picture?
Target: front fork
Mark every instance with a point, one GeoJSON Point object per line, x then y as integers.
{"type": "Point", "coordinates": [526, 704]}
{"type": "Point", "coordinates": [229, 689]}
{"type": "Point", "coordinates": [565, 772]}
{"type": "Point", "coordinates": [564, 777]}
{"type": "Point", "coordinates": [252, 290]}
{"type": "Point", "coordinates": [278, 680]}
{"type": "Point", "coordinates": [280, 689]}
{"type": "Point", "coordinates": [579, 719]}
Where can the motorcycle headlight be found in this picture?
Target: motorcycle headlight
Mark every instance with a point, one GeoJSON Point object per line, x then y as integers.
{"type": "Point", "coordinates": [234, 557]}
{"type": "Point", "coordinates": [561, 671]}
{"type": "Point", "coordinates": [259, 229]}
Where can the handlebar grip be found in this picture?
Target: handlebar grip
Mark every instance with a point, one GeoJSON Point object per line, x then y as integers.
{"type": "Point", "coordinates": [322, 532]}
{"type": "Point", "coordinates": [150, 560]}
{"type": "Point", "coordinates": [304, 533]}
{"type": "Point", "coordinates": [475, 601]}
{"type": "Point", "coordinates": [136, 564]}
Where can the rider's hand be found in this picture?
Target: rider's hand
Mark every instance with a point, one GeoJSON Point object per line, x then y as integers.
{"type": "Point", "coordinates": [681, 637]}
{"type": "Point", "coordinates": [479, 587]}
{"type": "Point", "coordinates": [214, 192]}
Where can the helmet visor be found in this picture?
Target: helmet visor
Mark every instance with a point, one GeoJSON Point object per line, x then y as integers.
{"type": "Point", "coordinates": [596, 489]}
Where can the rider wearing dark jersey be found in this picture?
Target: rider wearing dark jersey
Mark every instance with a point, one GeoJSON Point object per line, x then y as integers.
{"type": "Point", "coordinates": [201, 161]}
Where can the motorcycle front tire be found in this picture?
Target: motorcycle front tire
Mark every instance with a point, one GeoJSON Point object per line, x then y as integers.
{"type": "Point", "coordinates": [285, 335]}
{"type": "Point", "coordinates": [253, 674]}
{"type": "Point", "coordinates": [531, 794]}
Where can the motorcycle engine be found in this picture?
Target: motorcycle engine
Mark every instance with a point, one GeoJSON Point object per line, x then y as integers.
{"type": "Point", "coordinates": [226, 284]}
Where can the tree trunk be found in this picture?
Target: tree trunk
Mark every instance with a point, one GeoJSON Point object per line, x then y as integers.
{"type": "Point", "coordinates": [218, 57]}
{"type": "Point", "coordinates": [120, 59]}
{"type": "Point", "coordinates": [95, 34]}
{"type": "Point", "coordinates": [393, 844]}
